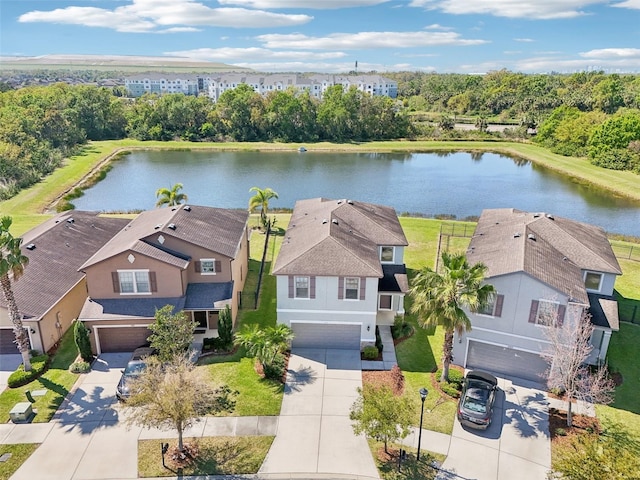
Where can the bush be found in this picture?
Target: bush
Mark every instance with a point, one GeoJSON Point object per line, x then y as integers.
{"type": "Point", "coordinates": [400, 327]}
{"type": "Point", "coordinates": [19, 378]}
{"type": "Point", "coordinates": [454, 386]}
{"type": "Point", "coordinates": [80, 367]}
{"type": "Point", "coordinates": [214, 344]}
{"type": "Point", "coordinates": [225, 326]}
{"type": "Point", "coordinates": [450, 389]}
{"type": "Point", "coordinates": [370, 353]}
{"type": "Point", "coordinates": [81, 337]}
{"type": "Point", "coordinates": [561, 432]}
{"type": "Point", "coordinates": [275, 369]}
{"type": "Point", "coordinates": [379, 344]}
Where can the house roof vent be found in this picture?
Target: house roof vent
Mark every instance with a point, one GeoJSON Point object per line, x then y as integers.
{"type": "Point", "coordinates": [531, 236]}
{"type": "Point", "coordinates": [550, 217]}
{"type": "Point", "coordinates": [158, 226]}
{"type": "Point", "coordinates": [350, 202]}
{"type": "Point", "coordinates": [70, 220]}
{"type": "Point", "coordinates": [172, 226]}
{"type": "Point", "coordinates": [187, 208]}
{"type": "Point", "coordinates": [334, 221]}
{"type": "Point", "coordinates": [324, 221]}
{"type": "Point", "coordinates": [516, 235]}
{"type": "Point", "coordinates": [31, 246]}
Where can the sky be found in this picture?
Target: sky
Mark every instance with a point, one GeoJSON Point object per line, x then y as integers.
{"type": "Point", "coordinates": [330, 36]}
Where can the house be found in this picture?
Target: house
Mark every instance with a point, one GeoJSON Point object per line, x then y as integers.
{"type": "Point", "coordinates": [542, 267]}
{"type": "Point", "coordinates": [340, 272]}
{"type": "Point", "coordinates": [194, 258]}
{"type": "Point", "coordinates": [51, 292]}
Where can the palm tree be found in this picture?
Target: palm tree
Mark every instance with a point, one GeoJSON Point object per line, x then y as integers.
{"type": "Point", "coordinates": [264, 345]}
{"type": "Point", "coordinates": [440, 299]}
{"type": "Point", "coordinates": [170, 196]}
{"type": "Point", "coordinates": [261, 199]}
{"type": "Point", "coordinates": [12, 264]}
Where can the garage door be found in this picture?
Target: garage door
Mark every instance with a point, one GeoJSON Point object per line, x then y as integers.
{"type": "Point", "coordinates": [125, 339]}
{"type": "Point", "coordinates": [7, 345]}
{"type": "Point", "coordinates": [506, 361]}
{"type": "Point", "coordinates": [326, 335]}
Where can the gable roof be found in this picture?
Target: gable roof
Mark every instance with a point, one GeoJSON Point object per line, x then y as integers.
{"type": "Point", "coordinates": [551, 249]}
{"type": "Point", "coordinates": [216, 229]}
{"type": "Point", "coordinates": [61, 245]}
{"type": "Point", "coordinates": [337, 237]}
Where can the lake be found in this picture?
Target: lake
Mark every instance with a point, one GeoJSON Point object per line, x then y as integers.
{"type": "Point", "coordinates": [429, 184]}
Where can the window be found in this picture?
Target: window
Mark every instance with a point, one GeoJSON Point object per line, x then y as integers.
{"type": "Point", "coordinates": [351, 288]}
{"type": "Point", "coordinates": [386, 254]}
{"type": "Point", "coordinates": [493, 307]}
{"type": "Point", "coordinates": [547, 313]}
{"type": "Point", "coordinates": [302, 287]}
{"type": "Point", "coordinates": [208, 266]}
{"type": "Point", "coordinates": [593, 281]}
{"type": "Point", "coordinates": [134, 281]}
{"type": "Point", "coordinates": [385, 302]}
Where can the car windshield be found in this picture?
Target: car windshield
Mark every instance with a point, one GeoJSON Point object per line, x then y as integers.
{"type": "Point", "coordinates": [134, 368]}
{"type": "Point", "coordinates": [476, 398]}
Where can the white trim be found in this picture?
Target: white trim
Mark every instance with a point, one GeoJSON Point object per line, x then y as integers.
{"type": "Point", "coordinates": [390, 309]}
{"type": "Point", "coordinates": [584, 279]}
{"type": "Point", "coordinates": [357, 299]}
{"type": "Point", "coordinates": [497, 332]}
{"type": "Point", "coordinates": [340, 312]}
{"type": "Point", "coordinates": [295, 287]}
{"type": "Point", "coordinates": [135, 282]}
{"type": "Point", "coordinates": [393, 251]}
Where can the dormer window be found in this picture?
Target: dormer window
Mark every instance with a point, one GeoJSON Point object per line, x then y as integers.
{"type": "Point", "coordinates": [593, 281]}
{"type": "Point", "coordinates": [386, 254]}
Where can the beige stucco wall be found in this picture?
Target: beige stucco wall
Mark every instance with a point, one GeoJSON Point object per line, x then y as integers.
{"type": "Point", "coordinates": [168, 277]}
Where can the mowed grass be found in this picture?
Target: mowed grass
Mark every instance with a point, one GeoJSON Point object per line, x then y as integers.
{"type": "Point", "coordinates": [19, 454]}
{"type": "Point", "coordinates": [217, 456]}
{"type": "Point", "coordinates": [57, 380]}
{"type": "Point", "coordinates": [410, 468]}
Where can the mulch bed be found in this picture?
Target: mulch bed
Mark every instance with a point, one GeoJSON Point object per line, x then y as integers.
{"type": "Point", "coordinates": [393, 378]}
{"type": "Point", "coordinates": [399, 340]}
{"type": "Point", "coordinates": [177, 459]}
{"type": "Point", "coordinates": [581, 425]}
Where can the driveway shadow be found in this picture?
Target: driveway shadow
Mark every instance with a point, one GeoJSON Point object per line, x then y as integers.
{"type": "Point", "coordinates": [528, 413]}
{"type": "Point", "coordinates": [88, 409]}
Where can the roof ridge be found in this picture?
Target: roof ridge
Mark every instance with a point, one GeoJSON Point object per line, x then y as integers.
{"type": "Point", "coordinates": [372, 219]}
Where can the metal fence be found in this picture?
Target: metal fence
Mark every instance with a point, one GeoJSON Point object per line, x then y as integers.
{"type": "Point", "coordinates": [627, 252]}
{"type": "Point", "coordinates": [629, 312]}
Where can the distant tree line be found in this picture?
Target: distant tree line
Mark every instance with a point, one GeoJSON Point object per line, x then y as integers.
{"type": "Point", "coordinates": [586, 114]}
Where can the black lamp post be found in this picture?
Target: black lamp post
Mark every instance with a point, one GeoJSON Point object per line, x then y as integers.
{"type": "Point", "coordinates": [423, 396]}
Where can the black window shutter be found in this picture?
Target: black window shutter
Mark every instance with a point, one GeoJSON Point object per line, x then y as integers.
{"type": "Point", "coordinates": [152, 282]}
{"type": "Point", "coordinates": [533, 313]}
{"type": "Point", "coordinates": [363, 287]}
{"type": "Point", "coordinates": [115, 279]}
{"type": "Point", "coordinates": [290, 286]}
{"type": "Point", "coordinates": [561, 312]}
{"type": "Point", "coordinates": [340, 288]}
{"type": "Point", "coordinates": [312, 289]}
{"type": "Point", "coordinates": [198, 266]}
{"type": "Point", "coordinates": [217, 266]}
{"type": "Point", "coordinates": [499, 302]}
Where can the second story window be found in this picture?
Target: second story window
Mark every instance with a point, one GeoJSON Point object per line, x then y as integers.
{"type": "Point", "coordinates": [134, 281]}
{"type": "Point", "coordinates": [386, 254]}
{"type": "Point", "coordinates": [207, 266]}
{"type": "Point", "coordinates": [593, 281]}
{"type": "Point", "coordinates": [351, 288]}
{"type": "Point", "coordinates": [302, 287]}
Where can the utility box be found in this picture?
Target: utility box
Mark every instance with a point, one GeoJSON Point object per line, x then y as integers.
{"type": "Point", "coordinates": [21, 412]}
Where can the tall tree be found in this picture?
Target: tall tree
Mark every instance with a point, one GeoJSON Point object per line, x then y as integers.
{"type": "Point", "coordinates": [440, 299]}
{"type": "Point", "coordinates": [12, 264]}
{"type": "Point", "coordinates": [569, 349]}
{"type": "Point", "coordinates": [174, 394]}
{"type": "Point", "coordinates": [171, 196]}
{"type": "Point", "coordinates": [261, 199]}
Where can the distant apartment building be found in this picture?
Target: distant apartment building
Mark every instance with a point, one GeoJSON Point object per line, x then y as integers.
{"type": "Point", "coordinates": [216, 85]}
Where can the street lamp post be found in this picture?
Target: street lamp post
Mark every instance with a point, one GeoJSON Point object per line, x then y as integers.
{"type": "Point", "coordinates": [423, 396]}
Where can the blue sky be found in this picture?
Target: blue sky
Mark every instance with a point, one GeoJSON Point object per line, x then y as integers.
{"type": "Point", "coordinates": [467, 36]}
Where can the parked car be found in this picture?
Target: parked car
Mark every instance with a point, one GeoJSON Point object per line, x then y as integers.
{"type": "Point", "coordinates": [475, 406]}
{"type": "Point", "coordinates": [134, 368]}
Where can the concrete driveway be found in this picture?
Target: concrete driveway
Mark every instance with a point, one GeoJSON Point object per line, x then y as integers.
{"type": "Point", "coordinates": [314, 433]}
{"type": "Point", "coordinates": [8, 365]}
{"type": "Point", "coordinates": [516, 445]}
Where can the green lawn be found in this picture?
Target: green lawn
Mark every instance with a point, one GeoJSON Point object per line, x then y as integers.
{"type": "Point", "coordinates": [19, 454]}
{"type": "Point", "coordinates": [410, 468]}
{"type": "Point", "coordinates": [217, 456]}
{"type": "Point", "coordinates": [57, 381]}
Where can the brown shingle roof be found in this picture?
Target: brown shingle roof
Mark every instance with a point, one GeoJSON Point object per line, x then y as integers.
{"type": "Point", "coordinates": [61, 246]}
{"type": "Point", "coordinates": [552, 249]}
{"type": "Point", "coordinates": [216, 229]}
{"type": "Point", "coordinates": [337, 237]}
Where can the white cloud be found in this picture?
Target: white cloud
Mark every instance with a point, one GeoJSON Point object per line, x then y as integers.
{"type": "Point", "coordinates": [633, 4]}
{"type": "Point", "coordinates": [312, 4]}
{"type": "Point", "coordinates": [538, 9]}
{"type": "Point", "coordinates": [610, 59]}
{"type": "Point", "coordinates": [436, 26]}
{"type": "Point", "coordinates": [179, 30]}
{"type": "Point", "coordinates": [612, 53]}
{"type": "Point", "coordinates": [330, 67]}
{"type": "Point", "coordinates": [365, 40]}
{"type": "Point", "coordinates": [248, 54]}
{"type": "Point", "coordinates": [147, 15]}
{"type": "Point", "coordinates": [524, 40]}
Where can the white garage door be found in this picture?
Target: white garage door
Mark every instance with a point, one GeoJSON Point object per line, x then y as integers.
{"type": "Point", "coordinates": [506, 361]}
{"type": "Point", "coordinates": [326, 335]}
{"type": "Point", "coordinates": [125, 339]}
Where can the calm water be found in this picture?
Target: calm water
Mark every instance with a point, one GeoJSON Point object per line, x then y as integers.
{"type": "Point", "coordinates": [457, 183]}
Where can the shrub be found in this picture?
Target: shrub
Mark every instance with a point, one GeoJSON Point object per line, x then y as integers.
{"type": "Point", "coordinates": [81, 337]}
{"type": "Point", "coordinates": [214, 344]}
{"type": "Point", "coordinates": [454, 386]}
{"type": "Point", "coordinates": [400, 327]}
{"type": "Point", "coordinates": [80, 367]}
{"type": "Point", "coordinates": [561, 432]}
{"type": "Point", "coordinates": [370, 353]}
{"type": "Point", "coordinates": [450, 389]}
{"type": "Point", "coordinates": [275, 369]}
{"type": "Point", "coordinates": [19, 378]}
{"type": "Point", "coordinates": [225, 326]}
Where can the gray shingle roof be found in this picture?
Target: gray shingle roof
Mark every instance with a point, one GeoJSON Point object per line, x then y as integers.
{"type": "Point", "coordinates": [552, 249]}
{"type": "Point", "coordinates": [337, 237]}
{"type": "Point", "coordinates": [216, 229]}
{"type": "Point", "coordinates": [61, 246]}
{"type": "Point", "coordinates": [131, 307]}
{"type": "Point", "coordinates": [604, 311]}
{"type": "Point", "coordinates": [205, 296]}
